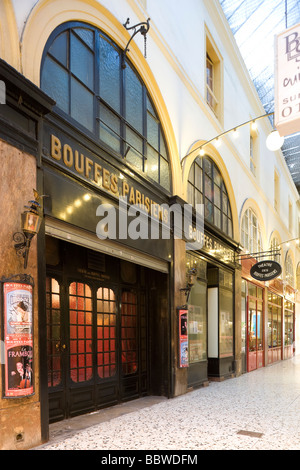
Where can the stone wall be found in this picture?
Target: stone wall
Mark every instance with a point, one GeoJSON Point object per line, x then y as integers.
{"type": "Point", "coordinates": [19, 417]}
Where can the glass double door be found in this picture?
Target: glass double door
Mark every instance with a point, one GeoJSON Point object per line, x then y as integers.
{"type": "Point", "coordinates": [255, 334]}
{"type": "Point", "coordinates": [97, 346]}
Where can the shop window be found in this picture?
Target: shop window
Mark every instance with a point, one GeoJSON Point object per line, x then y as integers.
{"type": "Point", "coordinates": [255, 357]}
{"type": "Point", "coordinates": [274, 327]}
{"type": "Point", "coordinates": [251, 238]}
{"type": "Point", "coordinates": [206, 186]}
{"type": "Point", "coordinates": [197, 322]}
{"type": "Point", "coordinates": [226, 313]}
{"type": "Point", "coordinates": [82, 71]}
{"type": "Point", "coordinates": [213, 77]}
{"type": "Point", "coordinates": [289, 308]}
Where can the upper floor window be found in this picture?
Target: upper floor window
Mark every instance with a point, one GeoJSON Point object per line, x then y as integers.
{"type": "Point", "coordinates": [254, 148]}
{"type": "Point", "coordinates": [213, 79]}
{"type": "Point", "coordinates": [82, 71]}
{"type": "Point", "coordinates": [206, 186]}
{"type": "Point", "coordinates": [251, 238]}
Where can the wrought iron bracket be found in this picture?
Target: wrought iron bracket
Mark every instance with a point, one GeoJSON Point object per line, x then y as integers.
{"type": "Point", "coordinates": [142, 28]}
{"type": "Point", "coordinates": [22, 245]}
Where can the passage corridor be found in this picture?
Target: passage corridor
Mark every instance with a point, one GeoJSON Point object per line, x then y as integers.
{"type": "Point", "coordinates": [259, 410]}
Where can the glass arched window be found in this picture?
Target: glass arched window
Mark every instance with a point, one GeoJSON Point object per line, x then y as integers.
{"type": "Point", "coordinates": [206, 186]}
{"type": "Point", "coordinates": [82, 71]}
{"type": "Point", "coordinates": [289, 271]}
{"type": "Point", "coordinates": [275, 249]}
{"type": "Point", "coordinates": [251, 238]}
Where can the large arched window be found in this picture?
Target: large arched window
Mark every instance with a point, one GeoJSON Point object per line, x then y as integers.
{"type": "Point", "coordinates": [82, 71]}
{"type": "Point", "coordinates": [206, 186]}
{"type": "Point", "coordinates": [251, 238]}
{"type": "Point", "coordinates": [289, 271]}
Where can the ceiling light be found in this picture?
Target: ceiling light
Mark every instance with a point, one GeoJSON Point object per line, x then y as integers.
{"type": "Point", "coordinates": [274, 141]}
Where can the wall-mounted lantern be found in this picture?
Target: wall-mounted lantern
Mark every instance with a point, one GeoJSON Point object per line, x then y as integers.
{"type": "Point", "coordinates": [30, 225]}
{"type": "Point", "coordinates": [191, 277]}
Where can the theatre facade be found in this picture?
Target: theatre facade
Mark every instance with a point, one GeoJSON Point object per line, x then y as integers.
{"type": "Point", "coordinates": [131, 278]}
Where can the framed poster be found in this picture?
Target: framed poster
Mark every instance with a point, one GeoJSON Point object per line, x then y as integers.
{"type": "Point", "coordinates": [183, 337]}
{"type": "Point", "coordinates": [17, 321]}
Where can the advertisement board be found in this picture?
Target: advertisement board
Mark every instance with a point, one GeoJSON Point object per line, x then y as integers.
{"type": "Point", "coordinates": [183, 337]}
{"type": "Point", "coordinates": [17, 304]}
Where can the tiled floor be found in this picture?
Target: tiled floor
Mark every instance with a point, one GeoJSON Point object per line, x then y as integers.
{"type": "Point", "coordinates": [259, 410]}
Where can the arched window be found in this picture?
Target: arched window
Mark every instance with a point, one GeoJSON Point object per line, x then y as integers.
{"type": "Point", "coordinates": [251, 238]}
{"type": "Point", "coordinates": [289, 271]}
{"type": "Point", "coordinates": [82, 71]}
{"type": "Point", "coordinates": [206, 186]}
{"type": "Point", "coordinates": [274, 249]}
{"type": "Point", "coordinates": [298, 276]}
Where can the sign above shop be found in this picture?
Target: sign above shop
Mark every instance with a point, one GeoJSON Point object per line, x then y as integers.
{"type": "Point", "coordinates": [287, 81]}
{"type": "Point", "coordinates": [265, 270]}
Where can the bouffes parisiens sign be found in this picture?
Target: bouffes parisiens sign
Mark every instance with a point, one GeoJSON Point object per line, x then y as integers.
{"type": "Point", "coordinates": [287, 81]}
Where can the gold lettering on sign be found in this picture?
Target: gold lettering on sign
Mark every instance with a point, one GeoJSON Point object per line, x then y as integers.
{"type": "Point", "coordinates": [55, 148]}
{"type": "Point", "coordinates": [96, 174]}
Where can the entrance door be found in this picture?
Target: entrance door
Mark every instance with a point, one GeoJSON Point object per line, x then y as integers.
{"type": "Point", "coordinates": [255, 335]}
{"type": "Point", "coordinates": [97, 346]}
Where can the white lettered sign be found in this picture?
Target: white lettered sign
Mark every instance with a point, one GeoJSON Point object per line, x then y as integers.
{"type": "Point", "coordinates": [287, 81]}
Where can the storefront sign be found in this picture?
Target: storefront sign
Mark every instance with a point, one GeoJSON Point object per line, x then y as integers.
{"type": "Point", "coordinates": [81, 163]}
{"type": "Point", "coordinates": [18, 339]}
{"type": "Point", "coordinates": [183, 337]}
{"type": "Point", "coordinates": [265, 270]}
{"type": "Point", "coordinates": [211, 245]}
{"type": "Point", "coordinates": [287, 81]}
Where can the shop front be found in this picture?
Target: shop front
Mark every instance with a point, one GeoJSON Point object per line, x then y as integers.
{"type": "Point", "coordinates": [106, 180]}
{"type": "Point", "coordinates": [253, 298]}
{"type": "Point", "coordinates": [268, 310]}
{"type": "Point", "coordinates": [211, 311]}
{"type": "Point", "coordinates": [289, 323]}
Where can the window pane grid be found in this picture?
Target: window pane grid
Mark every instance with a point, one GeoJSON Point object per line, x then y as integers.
{"type": "Point", "coordinates": [80, 77]}
{"type": "Point", "coordinates": [215, 198]}
{"type": "Point", "coordinates": [129, 338]}
{"type": "Point", "coordinates": [106, 333]}
{"type": "Point", "coordinates": [81, 354]}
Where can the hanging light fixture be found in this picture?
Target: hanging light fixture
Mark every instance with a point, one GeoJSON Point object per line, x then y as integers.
{"type": "Point", "coordinates": [274, 141]}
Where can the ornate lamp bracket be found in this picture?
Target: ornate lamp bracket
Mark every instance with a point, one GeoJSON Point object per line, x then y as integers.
{"type": "Point", "coordinates": [142, 28]}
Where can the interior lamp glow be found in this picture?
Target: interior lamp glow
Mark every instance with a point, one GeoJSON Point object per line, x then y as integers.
{"type": "Point", "coordinates": [274, 141]}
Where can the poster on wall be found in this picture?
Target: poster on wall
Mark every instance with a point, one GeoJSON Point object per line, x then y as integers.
{"type": "Point", "coordinates": [183, 337]}
{"type": "Point", "coordinates": [18, 339]}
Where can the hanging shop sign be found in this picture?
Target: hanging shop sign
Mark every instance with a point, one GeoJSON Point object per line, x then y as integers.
{"type": "Point", "coordinates": [287, 81]}
{"type": "Point", "coordinates": [17, 320]}
{"type": "Point", "coordinates": [265, 270]}
{"type": "Point", "coordinates": [183, 337]}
